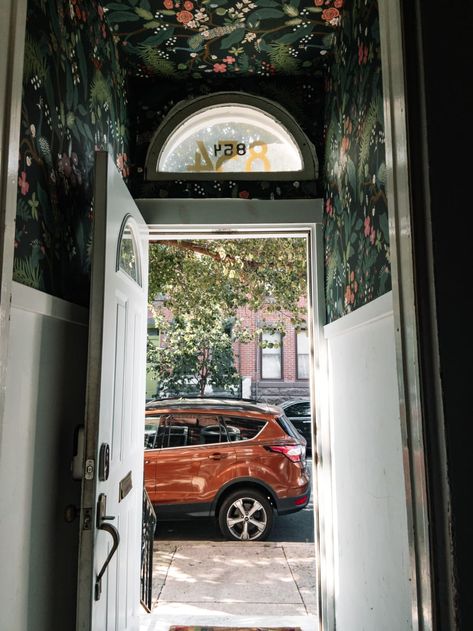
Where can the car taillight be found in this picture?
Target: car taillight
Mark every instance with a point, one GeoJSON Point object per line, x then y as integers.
{"type": "Point", "coordinates": [293, 452]}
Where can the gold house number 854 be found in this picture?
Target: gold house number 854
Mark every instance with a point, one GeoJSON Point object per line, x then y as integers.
{"type": "Point", "coordinates": [226, 150]}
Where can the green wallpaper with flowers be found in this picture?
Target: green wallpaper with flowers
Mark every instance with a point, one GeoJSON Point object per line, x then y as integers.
{"type": "Point", "coordinates": [200, 38]}
{"type": "Point", "coordinates": [357, 263]}
{"type": "Point", "coordinates": [73, 103]}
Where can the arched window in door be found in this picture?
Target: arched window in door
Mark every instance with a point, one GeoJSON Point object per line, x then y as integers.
{"type": "Point", "coordinates": [230, 136]}
{"type": "Point", "coordinates": [128, 257]}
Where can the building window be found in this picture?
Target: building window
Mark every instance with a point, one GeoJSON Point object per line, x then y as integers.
{"type": "Point", "coordinates": [271, 356]}
{"type": "Point", "coordinates": [302, 349]}
{"type": "Point", "coordinates": [154, 337]}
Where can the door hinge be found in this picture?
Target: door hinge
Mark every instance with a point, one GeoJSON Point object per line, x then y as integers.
{"type": "Point", "coordinates": [89, 469]}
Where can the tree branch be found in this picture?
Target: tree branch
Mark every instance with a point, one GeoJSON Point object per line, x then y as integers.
{"type": "Point", "coordinates": [198, 249]}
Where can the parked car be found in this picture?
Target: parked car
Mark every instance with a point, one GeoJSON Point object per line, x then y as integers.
{"type": "Point", "coordinates": [232, 459]}
{"type": "Point", "coordinates": [299, 413]}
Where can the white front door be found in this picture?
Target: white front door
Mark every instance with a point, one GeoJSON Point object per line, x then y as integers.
{"type": "Point", "coordinates": [111, 506]}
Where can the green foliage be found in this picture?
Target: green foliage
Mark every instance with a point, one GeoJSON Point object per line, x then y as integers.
{"type": "Point", "coordinates": [281, 58]}
{"type": "Point", "coordinates": [267, 274]}
{"type": "Point", "coordinates": [206, 32]}
{"type": "Point", "coordinates": [203, 283]}
{"type": "Point", "coordinates": [99, 91]}
{"type": "Point", "coordinates": [26, 272]}
{"type": "Point", "coordinates": [196, 353]}
{"type": "Point", "coordinates": [367, 130]}
{"type": "Point", "coordinates": [155, 61]}
{"type": "Point", "coordinates": [35, 63]}
{"type": "Point", "coordinates": [73, 103]}
{"type": "Point", "coordinates": [357, 266]}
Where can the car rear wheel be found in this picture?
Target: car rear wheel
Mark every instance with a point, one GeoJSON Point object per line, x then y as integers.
{"type": "Point", "coordinates": [245, 515]}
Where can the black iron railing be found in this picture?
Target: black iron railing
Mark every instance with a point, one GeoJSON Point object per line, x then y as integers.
{"type": "Point", "coordinates": [147, 541]}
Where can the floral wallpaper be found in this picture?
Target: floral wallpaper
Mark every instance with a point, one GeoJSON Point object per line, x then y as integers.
{"type": "Point", "coordinates": [357, 263]}
{"type": "Point", "coordinates": [303, 97]}
{"type": "Point", "coordinates": [73, 103]}
{"type": "Point", "coordinates": [198, 38]}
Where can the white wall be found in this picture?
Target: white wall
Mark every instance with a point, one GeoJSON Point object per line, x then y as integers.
{"type": "Point", "coordinates": [44, 403]}
{"type": "Point", "coordinates": [372, 589]}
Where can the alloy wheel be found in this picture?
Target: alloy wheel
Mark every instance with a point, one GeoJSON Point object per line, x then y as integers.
{"type": "Point", "coordinates": [246, 519]}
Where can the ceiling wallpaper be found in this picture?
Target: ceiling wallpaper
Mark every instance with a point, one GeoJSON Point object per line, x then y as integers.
{"type": "Point", "coordinates": [202, 38]}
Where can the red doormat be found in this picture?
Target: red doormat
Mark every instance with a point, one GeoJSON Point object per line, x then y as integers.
{"type": "Point", "coordinates": [206, 628]}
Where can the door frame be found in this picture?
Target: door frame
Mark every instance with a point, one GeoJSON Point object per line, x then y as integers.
{"type": "Point", "coordinates": [405, 308]}
{"type": "Point", "coordinates": [238, 218]}
{"type": "Point", "coordinates": [12, 29]}
{"type": "Point", "coordinates": [12, 34]}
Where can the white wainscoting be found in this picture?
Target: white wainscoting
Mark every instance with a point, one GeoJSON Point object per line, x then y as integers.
{"type": "Point", "coordinates": [372, 589]}
{"type": "Point", "coordinates": [44, 403]}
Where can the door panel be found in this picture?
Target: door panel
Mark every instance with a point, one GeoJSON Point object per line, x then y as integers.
{"type": "Point", "coordinates": [111, 505]}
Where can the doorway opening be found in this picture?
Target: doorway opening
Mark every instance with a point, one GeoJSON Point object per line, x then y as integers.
{"type": "Point", "coordinates": [198, 573]}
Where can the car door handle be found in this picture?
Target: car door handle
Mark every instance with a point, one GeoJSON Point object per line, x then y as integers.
{"type": "Point", "coordinates": [217, 456]}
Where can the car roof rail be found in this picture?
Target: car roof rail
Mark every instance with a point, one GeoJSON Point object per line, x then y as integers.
{"type": "Point", "coordinates": [203, 398]}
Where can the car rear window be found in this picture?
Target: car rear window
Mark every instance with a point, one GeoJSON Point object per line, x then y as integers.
{"type": "Point", "coordinates": [239, 428]}
{"type": "Point", "coordinates": [288, 427]}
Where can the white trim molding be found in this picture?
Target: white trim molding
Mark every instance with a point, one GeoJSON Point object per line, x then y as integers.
{"type": "Point", "coordinates": [377, 309]}
{"type": "Point", "coordinates": [29, 299]}
{"type": "Point", "coordinates": [12, 36]}
{"type": "Point", "coordinates": [405, 317]}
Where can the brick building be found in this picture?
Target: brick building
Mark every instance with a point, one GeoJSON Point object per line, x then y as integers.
{"type": "Point", "coordinates": [274, 374]}
{"type": "Point", "coordinates": [271, 375]}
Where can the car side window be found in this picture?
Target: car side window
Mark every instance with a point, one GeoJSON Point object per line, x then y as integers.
{"type": "Point", "coordinates": [188, 430]}
{"type": "Point", "coordinates": [242, 428]}
{"type": "Point", "coordinates": [150, 438]}
{"type": "Point", "coordinates": [212, 430]}
{"type": "Point", "coordinates": [151, 432]}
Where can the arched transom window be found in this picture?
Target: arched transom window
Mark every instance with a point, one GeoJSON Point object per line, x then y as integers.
{"type": "Point", "coordinates": [230, 136]}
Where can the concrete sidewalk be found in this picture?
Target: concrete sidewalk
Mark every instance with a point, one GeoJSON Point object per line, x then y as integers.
{"type": "Point", "coordinates": [233, 584]}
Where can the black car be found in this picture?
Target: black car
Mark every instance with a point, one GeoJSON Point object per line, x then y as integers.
{"type": "Point", "coordinates": [299, 413]}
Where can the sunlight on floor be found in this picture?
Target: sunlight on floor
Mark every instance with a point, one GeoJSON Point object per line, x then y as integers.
{"type": "Point", "coordinates": [226, 583]}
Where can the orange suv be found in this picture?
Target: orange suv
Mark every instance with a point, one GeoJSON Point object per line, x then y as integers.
{"type": "Point", "coordinates": [232, 459]}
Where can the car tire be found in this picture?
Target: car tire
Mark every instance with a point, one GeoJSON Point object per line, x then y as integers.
{"type": "Point", "coordinates": [245, 515]}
